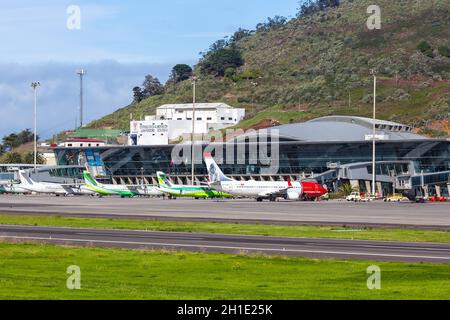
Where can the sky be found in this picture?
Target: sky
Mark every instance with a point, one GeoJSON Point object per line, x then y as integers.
{"type": "Point", "coordinates": [117, 42]}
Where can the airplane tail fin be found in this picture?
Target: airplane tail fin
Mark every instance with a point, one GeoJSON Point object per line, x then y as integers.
{"type": "Point", "coordinates": [24, 178]}
{"type": "Point", "coordinates": [162, 180]}
{"type": "Point", "coordinates": [289, 183]}
{"type": "Point", "coordinates": [88, 179]}
{"type": "Point", "coordinates": [214, 172]}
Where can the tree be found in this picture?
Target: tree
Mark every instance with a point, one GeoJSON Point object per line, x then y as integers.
{"type": "Point", "coordinates": [29, 158]}
{"type": "Point", "coordinates": [16, 139]}
{"type": "Point", "coordinates": [271, 23]}
{"type": "Point", "coordinates": [180, 72]}
{"type": "Point", "coordinates": [152, 86]}
{"type": "Point", "coordinates": [217, 62]}
{"type": "Point", "coordinates": [346, 189]}
{"type": "Point", "coordinates": [311, 7]}
{"type": "Point", "coordinates": [138, 95]}
{"type": "Point", "coordinates": [239, 35]}
{"type": "Point", "coordinates": [13, 157]}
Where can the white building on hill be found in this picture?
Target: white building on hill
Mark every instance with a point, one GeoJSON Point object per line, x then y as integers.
{"type": "Point", "coordinates": [175, 120]}
{"type": "Point", "coordinates": [208, 116]}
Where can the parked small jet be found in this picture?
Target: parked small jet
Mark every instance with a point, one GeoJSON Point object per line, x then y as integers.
{"type": "Point", "coordinates": [50, 187]}
{"type": "Point", "coordinates": [175, 190]}
{"type": "Point", "coordinates": [261, 190]}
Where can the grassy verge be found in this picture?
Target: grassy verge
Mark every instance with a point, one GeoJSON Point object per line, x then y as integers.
{"type": "Point", "coordinates": [35, 271]}
{"type": "Point", "coordinates": [234, 228]}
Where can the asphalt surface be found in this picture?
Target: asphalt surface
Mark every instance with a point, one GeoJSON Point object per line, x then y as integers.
{"type": "Point", "coordinates": [315, 248]}
{"type": "Point", "coordinates": [405, 214]}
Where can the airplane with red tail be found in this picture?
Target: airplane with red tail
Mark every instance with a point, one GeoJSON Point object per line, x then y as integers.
{"type": "Point", "coordinates": [297, 190]}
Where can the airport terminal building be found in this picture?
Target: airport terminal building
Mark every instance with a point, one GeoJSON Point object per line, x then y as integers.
{"type": "Point", "coordinates": [332, 150]}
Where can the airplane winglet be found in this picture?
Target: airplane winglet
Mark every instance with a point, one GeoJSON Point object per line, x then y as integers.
{"type": "Point", "coordinates": [207, 154]}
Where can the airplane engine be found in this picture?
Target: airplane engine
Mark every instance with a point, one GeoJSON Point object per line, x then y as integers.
{"type": "Point", "coordinates": [293, 195]}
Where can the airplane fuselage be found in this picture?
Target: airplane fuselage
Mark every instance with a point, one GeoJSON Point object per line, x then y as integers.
{"type": "Point", "coordinates": [192, 191]}
{"type": "Point", "coordinates": [256, 189]}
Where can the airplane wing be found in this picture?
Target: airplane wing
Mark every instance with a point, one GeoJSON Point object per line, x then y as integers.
{"type": "Point", "coordinates": [283, 193]}
{"type": "Point", "coordinates": [278, 194]}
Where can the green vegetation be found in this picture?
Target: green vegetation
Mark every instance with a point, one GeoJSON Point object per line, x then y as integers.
{"type": "Point", "coordinates": [180, 72]}
{"type": "Point", "coordinates": [16, 148]}
{"type": "Point", "coordinates": [33, 271]}
{"type": "Point", "coordinates": [234, 228]}
{"type": "Point", "coordinates": [426, 49]}
{"type": "Point", "coordinates": [346, 189]}
{"type": "Point", "coordinates": [318, 64]}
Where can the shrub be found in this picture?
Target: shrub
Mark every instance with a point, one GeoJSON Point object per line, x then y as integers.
{"type": "Point", "coordinates": [444, 51]}
{"type": "Point", "coordinates": [426, 49]}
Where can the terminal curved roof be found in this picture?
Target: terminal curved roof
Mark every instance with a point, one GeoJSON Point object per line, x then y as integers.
{"type": "Point", "coordinates": [345, 128]}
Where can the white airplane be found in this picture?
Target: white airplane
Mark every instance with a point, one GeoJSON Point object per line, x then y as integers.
{"type": "Point", "coordinates": [253, 189]}
{"type": "Point", "coordinates": [52, 188]}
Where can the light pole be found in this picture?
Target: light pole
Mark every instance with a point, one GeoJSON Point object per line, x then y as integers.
{"type": "Point", "coordinates": [374, 73]}
{"type": "Point", "coordinates": [81, 73]}
{"type": "Point", "coordinates": [254, 85]}
{"type": "Point", "coordinates": [194, 81]}
{"type": "Point", "coordinates": [35, 85]}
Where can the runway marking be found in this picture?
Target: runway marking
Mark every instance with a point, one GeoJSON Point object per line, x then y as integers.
{"type": "Point", "coordinates": [225, 247]}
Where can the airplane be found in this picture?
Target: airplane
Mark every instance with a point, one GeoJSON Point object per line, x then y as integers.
{"type": "Point", "coordinates": [175, 190]}
{"type": "Point", "coordinates": [297, 190]}
{"type": "Point", "coordinates": [117, 189]}
{"type": "Point", "coordinates": [50, 187]}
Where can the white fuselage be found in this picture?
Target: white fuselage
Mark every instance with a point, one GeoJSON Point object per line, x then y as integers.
{"type": "Point", "coordinates": [256, 189]}
{"type": "Point", "coordinates": [148, 191]}
{"type": "Point", "coordinates": [58, 189]}
{"type": "Point", "coordinates": [46, 187]}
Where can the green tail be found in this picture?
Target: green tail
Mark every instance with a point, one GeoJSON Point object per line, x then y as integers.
{"type": "Point", "coordinates": [162, 180]}
{"type": "Point", "coordinates": [89, 179]}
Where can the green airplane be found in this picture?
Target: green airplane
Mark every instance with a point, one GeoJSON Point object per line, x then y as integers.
{"type": "Point", "coordinates": [108, 189]}
{"type": "Point", "coordinates": [173, 190]}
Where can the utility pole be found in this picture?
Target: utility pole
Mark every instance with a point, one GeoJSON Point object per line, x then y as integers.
{"type": "Point", "coordinates": [35, 85]}
{"type": "Point", "coordinates": [254, 85]}
{"type": "Point", "coordinates": [194, 81]}
{"type": "Point", "coordinates": [374, 73]}
{"type": "Point", "coordinates": [81, 73]}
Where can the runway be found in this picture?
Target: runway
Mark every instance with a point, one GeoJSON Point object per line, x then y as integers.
{"type": "Point", "coordinates": [405, 214]}
{"type": "Point", "coordinates": [313, 248]}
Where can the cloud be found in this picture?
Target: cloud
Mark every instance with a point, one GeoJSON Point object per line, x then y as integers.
{"type": "Point", "coordinates": [108, 86]}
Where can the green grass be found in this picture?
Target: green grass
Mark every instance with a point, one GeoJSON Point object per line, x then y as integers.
{"type": "Point", "coordinates": [234, 228]}
{"type": "Point", "coordinates": [35, 271]}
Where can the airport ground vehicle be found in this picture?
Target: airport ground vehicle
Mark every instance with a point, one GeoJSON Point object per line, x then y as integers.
{"type": "Point", "coordinates": [435, 198]}
{"type": "Point", "coordinates": [395, 198]}
{"type": "Point", "coordinates": [354, 196]}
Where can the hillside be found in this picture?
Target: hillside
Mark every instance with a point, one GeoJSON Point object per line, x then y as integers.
{"type": "Point", "coordinates": [319, 64]}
